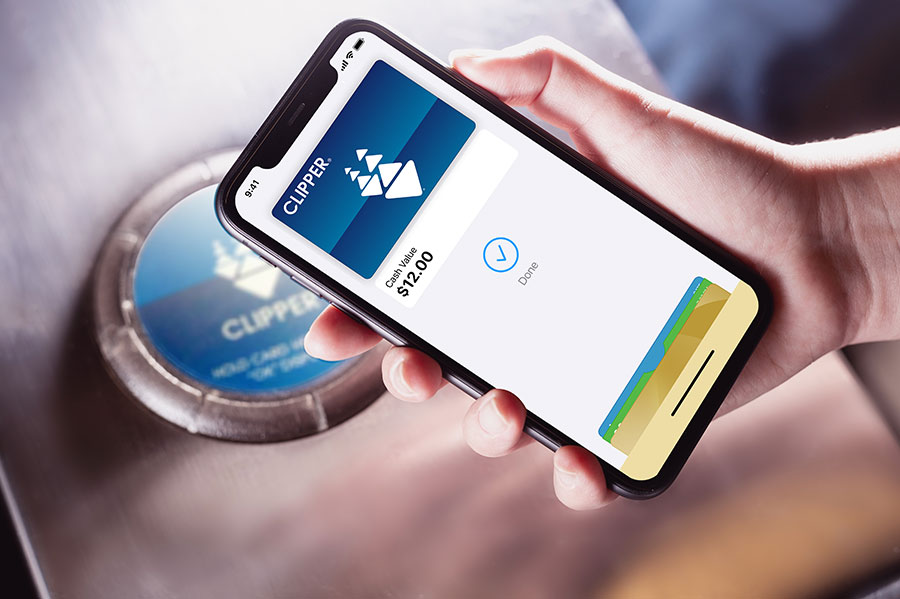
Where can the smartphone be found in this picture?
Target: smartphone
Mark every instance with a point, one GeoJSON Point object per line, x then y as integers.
{"type": "Point", "coordinates": [423, 206]}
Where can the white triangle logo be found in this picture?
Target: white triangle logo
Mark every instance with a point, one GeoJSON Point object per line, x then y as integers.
{"type": "Point", "coordinates": [406, 184]}
{"type": "Point", "coordinates": [388, 171]}
{"type": "Point", "coordinates": [372, 161]}
{"type": "Point", "coordinates": [245, 270]}
{"type": "Point", "coordinates": [261, 283]}
{"type": "Point", "coordinates": [373, 188]}
{"type": "Point", "coordinates": [394, 179]}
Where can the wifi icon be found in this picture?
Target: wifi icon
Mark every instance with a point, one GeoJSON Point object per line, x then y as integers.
{"type": "Point", "coordinates": [394, 180]}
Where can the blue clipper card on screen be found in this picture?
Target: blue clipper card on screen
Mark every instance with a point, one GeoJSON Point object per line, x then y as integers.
{"type": "Point", "coordinates": [373, 169]}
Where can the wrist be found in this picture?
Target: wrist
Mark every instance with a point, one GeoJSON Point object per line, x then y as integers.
{"type": "Point", "coordinates": [856, 187]}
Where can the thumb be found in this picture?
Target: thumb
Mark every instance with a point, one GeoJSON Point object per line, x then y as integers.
{"type": "Point", "coordinates": [542, 74]}
{"type": "Point", "coordinates": [652, 142]}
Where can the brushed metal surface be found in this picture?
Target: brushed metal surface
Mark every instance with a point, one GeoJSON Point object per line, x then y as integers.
{"type": "Point", "coordinates": [99, 100]}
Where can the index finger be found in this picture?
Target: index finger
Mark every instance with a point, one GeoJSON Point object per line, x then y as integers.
{"type": "Point", "coordinates": [335, 336]}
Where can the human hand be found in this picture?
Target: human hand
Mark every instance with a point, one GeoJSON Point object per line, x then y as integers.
{"type": "Point", "coordinates": [785, 210]}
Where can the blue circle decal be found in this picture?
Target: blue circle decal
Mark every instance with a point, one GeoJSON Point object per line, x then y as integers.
{"type": "Point", "coordinates": [218, 312]}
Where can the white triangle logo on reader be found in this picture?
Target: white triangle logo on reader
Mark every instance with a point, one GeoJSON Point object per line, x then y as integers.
{"type": "Point", "coordinates": [393, 179]}
{"type": "Point", "coordinates": [246, 270]}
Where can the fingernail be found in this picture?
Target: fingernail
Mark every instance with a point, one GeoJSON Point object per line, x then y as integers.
{"type": "Point", "coordinates": [490, 419]}
{"type": "Point", "coordinates": [399, 381]}
{"type": "Point", "coordinates": [565, 478]}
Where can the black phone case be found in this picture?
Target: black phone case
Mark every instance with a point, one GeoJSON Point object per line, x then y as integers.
{"type": "Point", "coordinates": [304, 96]}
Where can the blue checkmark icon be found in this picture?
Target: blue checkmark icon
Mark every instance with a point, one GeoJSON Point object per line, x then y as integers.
{"type": "Point", "coordinates": [500, 254]}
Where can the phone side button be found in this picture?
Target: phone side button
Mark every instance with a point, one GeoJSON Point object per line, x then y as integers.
{"type": "Point", "coordinates": [307, 287]}
{"type": "Point", "coordinates": [267, 261]}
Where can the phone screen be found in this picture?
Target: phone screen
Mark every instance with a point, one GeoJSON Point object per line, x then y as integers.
{"type": "Point", "coordinates": [502, 256]}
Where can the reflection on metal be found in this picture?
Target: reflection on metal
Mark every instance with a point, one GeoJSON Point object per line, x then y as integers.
{"type": "Point", "coordinates": [205, 333]}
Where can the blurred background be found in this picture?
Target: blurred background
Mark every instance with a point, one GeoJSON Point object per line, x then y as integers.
{"type": "Point", "coordinates": [794, 495]}
{"type": "Point", "coordinates": [793, 70]}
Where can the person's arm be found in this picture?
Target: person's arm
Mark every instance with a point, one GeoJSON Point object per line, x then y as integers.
{"type": "Point", "coordinates": [856, 185]}
{"type": "Point", "coordinates": [817, 221]}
